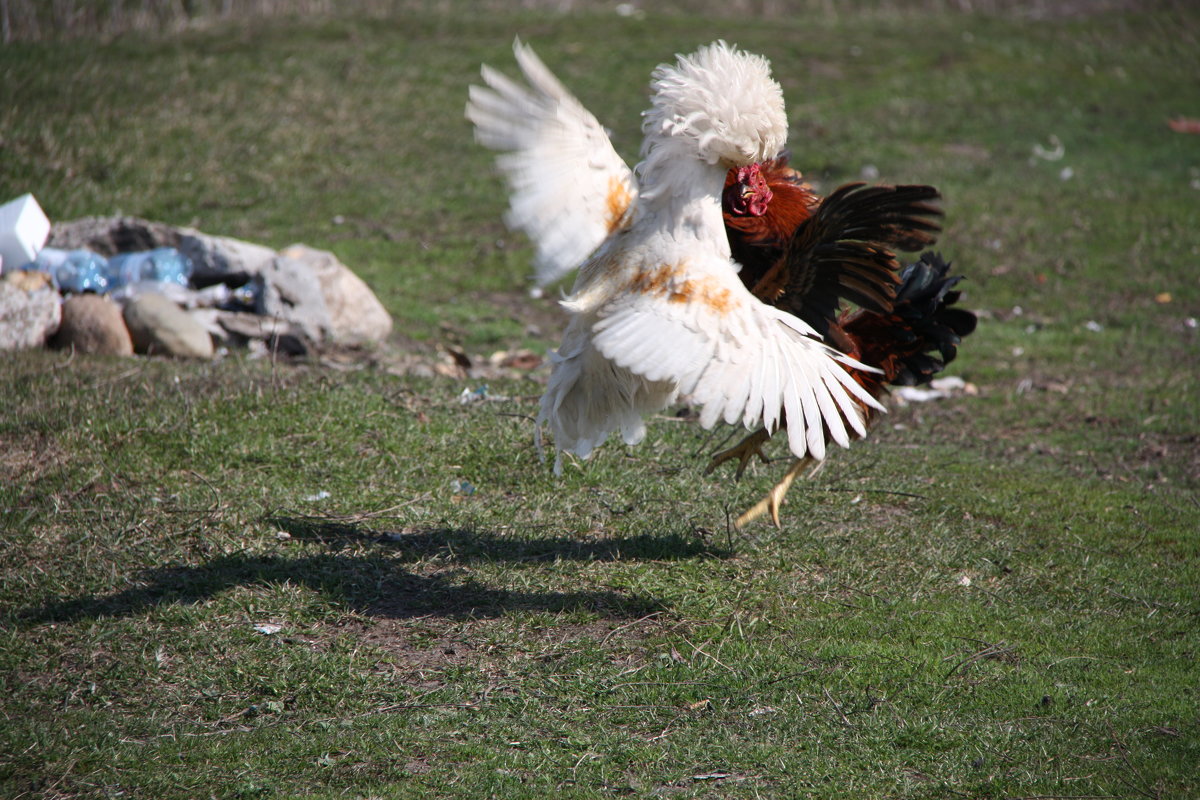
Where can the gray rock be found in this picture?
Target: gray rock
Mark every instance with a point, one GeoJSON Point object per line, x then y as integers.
{"type": "Point", "coordinates": [159, 327]}
{"type": "Point", "coordinates": [218, 258]}
{"type": "Point", "coordinates": [279, 336]}
{"type": "Point", "coordinates": [355, 313]}
{"type": "Point", "coordinates": [27, 319]}
{"type": "Point", "coordinates": [111, 235]}
{"type": "Point", "coordinates": [92, 323]}
{"type": "Point", "coordinates": [288, 289]}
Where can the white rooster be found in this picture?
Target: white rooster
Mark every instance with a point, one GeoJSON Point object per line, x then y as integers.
{"type": "Point", "coordinates": [658, 310]}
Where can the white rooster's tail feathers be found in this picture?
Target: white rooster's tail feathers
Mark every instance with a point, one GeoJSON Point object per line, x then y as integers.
{"type": "Point", "coordinates": [589, 397]}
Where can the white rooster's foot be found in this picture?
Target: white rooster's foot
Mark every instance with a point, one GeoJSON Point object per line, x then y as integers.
{"type": "Point", "coordinates": [743, 451]}
{"type": "Point", "coordinates": [774, 498]}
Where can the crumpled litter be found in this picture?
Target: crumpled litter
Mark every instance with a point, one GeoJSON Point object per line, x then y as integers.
{"type": "Point", "coordinates": [479, 394]}
{"type": "Point", "coordinates": [1053, 153]}
{"type": "Point", "coordinates": [938, 389]}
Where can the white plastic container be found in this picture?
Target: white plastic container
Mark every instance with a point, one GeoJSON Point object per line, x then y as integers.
{"type": "Point", "coordinates": [24, 229]}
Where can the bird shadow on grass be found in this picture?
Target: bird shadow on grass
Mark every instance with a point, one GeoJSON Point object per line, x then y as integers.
{"type": "Point", "coordinates": [365, 571]}
{"type": "Point", "coordinates": [463, 545]}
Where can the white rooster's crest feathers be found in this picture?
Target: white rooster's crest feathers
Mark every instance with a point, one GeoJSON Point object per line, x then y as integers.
{"type": "Point", "coordinates": [659, 310]}
{"type": "Point", "coordinates": [721, 99]}
{"type": "Point", "coordinates": [568, 187]}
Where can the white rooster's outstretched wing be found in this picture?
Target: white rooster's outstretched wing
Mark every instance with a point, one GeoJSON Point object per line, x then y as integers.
{"type": "Point", "coordinates": [569, 188]}
{"type": "Point", "coordinates": [697, 327]}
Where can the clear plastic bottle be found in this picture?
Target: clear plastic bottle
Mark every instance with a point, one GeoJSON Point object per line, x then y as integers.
{"type": "Point", "coordinates": [164, 264]}
{"type": "Point", "coordinates": [75, 271]}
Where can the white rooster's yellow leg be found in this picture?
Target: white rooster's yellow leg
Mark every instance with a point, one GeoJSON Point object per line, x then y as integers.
{"type": "Point", "coordinates": [774, 498]}
{"type": "Point", "coordinates": [743, 451]}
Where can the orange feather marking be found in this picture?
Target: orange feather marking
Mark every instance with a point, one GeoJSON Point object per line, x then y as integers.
{"type": "Point", "coordinates": [669, 281]}
{"type": "Point", "coordinates": [617, 200]}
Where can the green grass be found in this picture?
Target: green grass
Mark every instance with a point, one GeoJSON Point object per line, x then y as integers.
{"type": "Point", "coordinates": [995, 596]}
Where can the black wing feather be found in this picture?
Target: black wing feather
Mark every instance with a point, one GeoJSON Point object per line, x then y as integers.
{"type": "Point", "coordinates": [844, 251]}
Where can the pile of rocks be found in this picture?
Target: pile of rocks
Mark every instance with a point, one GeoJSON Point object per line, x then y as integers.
{"type": "Point", "coordinates": [292, 300]}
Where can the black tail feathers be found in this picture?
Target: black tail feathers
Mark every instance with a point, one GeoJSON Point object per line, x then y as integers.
{"type": "Point", "coordinates": [925, 303]}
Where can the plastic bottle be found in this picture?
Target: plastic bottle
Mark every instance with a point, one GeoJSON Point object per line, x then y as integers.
{"type": "Point", "coordinates": [246, 296]}
{"type": "Point", "coordinates": [162, 264]}
{"type": "Point", "coordinates": [75, 271]}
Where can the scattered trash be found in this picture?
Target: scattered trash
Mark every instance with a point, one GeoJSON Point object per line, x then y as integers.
{"type": "Point", "coordinates": [1184, 125]}
{"type": "Point", "coordinates": [869, 172]}
{"type": "Point", "coordinates": [162, 264]}
{"type": "Point", "coordinates": [24, 228]}
{"type": "Point", "coordinates": [462, 487]}
{"type": "Point", "coordinates": [75, 271]}
{"type": "Point", "coordinates": [1093, 326]}
{"type": "Point", "coordinates": [476, 395]}
{"type": "Point", "coordinates": [1162, 298]}
{"type": "Point", "coordinates": [915, 394]}
{"type": "Point", "coordinates": [269, 707]}
{"type": "Point", "coordinates": [1054, 153]}
{"type": "Point", "coordinates": [964, 580]}
{"type": "Point", "coordinates": [268, 628]}
{"type": "Point", "coordinates": [81, 270]}
{"type": "Point", "coordinates": [322, 495]}
{"type": "Point", "coordinates": [949, 383]}
{"type": "Point", "coordinates": [282, 536]}
{"type": "Point", "coordinates": [523, 359]}
{"type": "Point", "coordinates": [1066, 173]}
{"type": "Point", "coordinates": [939, 388]}
{"type": "Point", "coordinates": [763, 711]}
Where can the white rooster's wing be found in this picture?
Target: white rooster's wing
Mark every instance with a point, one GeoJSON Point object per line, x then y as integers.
{"type": "Point", "coordinates": [569, 188]}
{"type": "Point", "coordinates": [696, 325]}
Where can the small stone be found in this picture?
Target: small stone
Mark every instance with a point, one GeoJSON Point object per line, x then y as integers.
{"type": "Point", "coordinates": [27, 319]}
{"type": "Point", "coordinates": [92, 323]}
{"type": "Point", "coordinates": [29, 280]}
{"type": "Point", "coordinates": [159, 327]}
{"type": "Point", "coordinates": [272, 335]}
